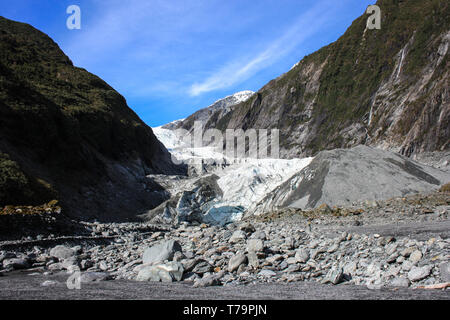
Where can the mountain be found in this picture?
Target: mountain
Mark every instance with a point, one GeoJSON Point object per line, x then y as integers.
{"type": "Point", "coordinates": [66, 134]}
{"type": "Point", "coordinates": [220, 190]}
{"type": "Point", "coordinates": [209, 115]}
{"type": "Point", "coordinates": [370, 90]}
{"type": "Point", "coordinates": [385, 88]}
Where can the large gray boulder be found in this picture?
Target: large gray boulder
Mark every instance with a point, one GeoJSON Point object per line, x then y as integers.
{"type": "Point", "coordinates": [419, 273]}
{"type": "Point", "coordinates": [302, 255]}
{"type": "Point", "coordinates": [161, 252]}
{"type": "Point", "coordinates": [255, 245]}
{"type": "Point", "coordinates": [236, 261]}
{"type": "Point", "coordinates": [210, 280]}
{"type": "Point", "coordinates": [62, 252]}
{"type": "Point", "coordinates": [237, 236]}
{"type": "Point", "coordinates": [169, 272]}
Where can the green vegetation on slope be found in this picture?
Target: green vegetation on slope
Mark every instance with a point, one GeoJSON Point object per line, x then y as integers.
{"type": "Point", "coordinates": [16, 186]}
{"type": "Point", "coordinates": [354, 68]}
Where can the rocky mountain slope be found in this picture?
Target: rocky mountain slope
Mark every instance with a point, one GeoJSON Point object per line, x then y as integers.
{"type": "Point", "coordinates": [215, 111]}
{"type": "Point", "coordinates": [66, 134]}
{"type": "Point", "coordinates": [386, 88]}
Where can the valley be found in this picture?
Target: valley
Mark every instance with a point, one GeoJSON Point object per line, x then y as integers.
{"type": "Point", "coordinates": [353, 201]}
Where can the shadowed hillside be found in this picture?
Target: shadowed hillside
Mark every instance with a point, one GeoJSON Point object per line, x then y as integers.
{"type": "Point", "coordinates": [66, 134]}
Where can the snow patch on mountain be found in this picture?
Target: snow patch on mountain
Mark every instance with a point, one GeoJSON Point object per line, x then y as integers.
{"type": "Point", "coordinates": [241, 96]}
{"type": "Point", "coordinates": [294, 66]}
{"type": "Point", "coordinates": [219, 109]}
{"type": "Point", "coordinates": [168, 137]}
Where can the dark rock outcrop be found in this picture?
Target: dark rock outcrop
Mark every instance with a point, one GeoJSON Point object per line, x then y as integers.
{"type": "Point", "coordinates": [66, 134]}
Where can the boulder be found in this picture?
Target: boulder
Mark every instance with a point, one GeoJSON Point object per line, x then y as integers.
{"type": "Point", "coordinates": [255, 245]}
{"type": "Point", "coordinates": [236, 261]}
{"type": "Point", "coordinates": [238, 236]}
{"type": "Point", "coordinates": [419, 273]}
{"type": "Point", "coordinates": [302, 255]}
{"type": "Point", "coordinates": [202, 267]}
{"type": "Point", "coordinates": [400, 282]}
{"type": "Point", "coordinates": [334, 276]}
{"type": "Point", "coordinates": [444, 269]}
{"type": "Point", "coordinates": [62, 252]}
{"type": "Point", "coordinates": [169, 272]}
{"type": "Point", "coordinates": [161, 252]}
{"type": "Point", "coordinates": [253, 260]}
{"type": "Point", "coordinates": [266, 273]}
{"type": "Point", "coordinates": [208, 281]}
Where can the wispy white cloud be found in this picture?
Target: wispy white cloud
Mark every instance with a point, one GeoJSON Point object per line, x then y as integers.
{"type": "Point", "coordinates": [241, 69]}
{"type": "Point", "coordinates": [142, 27]}
{"type": "Point", "coordinates": [164, 47]}
{"type": "Point", "coordinates": [109, 28]}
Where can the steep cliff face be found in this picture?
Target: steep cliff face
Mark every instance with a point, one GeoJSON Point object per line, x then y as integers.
{"type": "Point", "coordinates": [66, 134]}
{"type": "Point", "coordinates": [386, 88]}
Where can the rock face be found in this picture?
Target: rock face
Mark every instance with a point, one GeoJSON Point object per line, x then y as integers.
{"type": "Point", "coordinates": [342, 176]}
{"type": "Point", "coordinates": [189, 203]}
{"type": "Point", "coordinates": [66, 134]}
{"type": "Point", "coordinates": [386, 88]}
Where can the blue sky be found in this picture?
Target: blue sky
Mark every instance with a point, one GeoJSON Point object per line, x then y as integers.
{"type": "Point", "coordinates": [169, 58]}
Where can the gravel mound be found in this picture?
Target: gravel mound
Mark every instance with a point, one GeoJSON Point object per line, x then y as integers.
{"type": "Point", "coordinates": [343, 176]}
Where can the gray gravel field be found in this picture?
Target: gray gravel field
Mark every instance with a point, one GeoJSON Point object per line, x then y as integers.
{"type": "Point", "coordinates": [23, 286]}
{"type": "Point", "coordinates": [376, 251]}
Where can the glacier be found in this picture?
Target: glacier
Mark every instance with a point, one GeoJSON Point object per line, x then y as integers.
{"type": "Point", "coordinates": [243, 182]}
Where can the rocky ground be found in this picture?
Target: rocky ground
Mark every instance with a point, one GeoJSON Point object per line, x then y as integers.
{"type": "Point", "coordinates": [385, 245]}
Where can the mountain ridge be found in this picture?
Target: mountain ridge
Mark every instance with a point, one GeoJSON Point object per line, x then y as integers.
{"type": "Point", "coordinates": [219, 109]}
